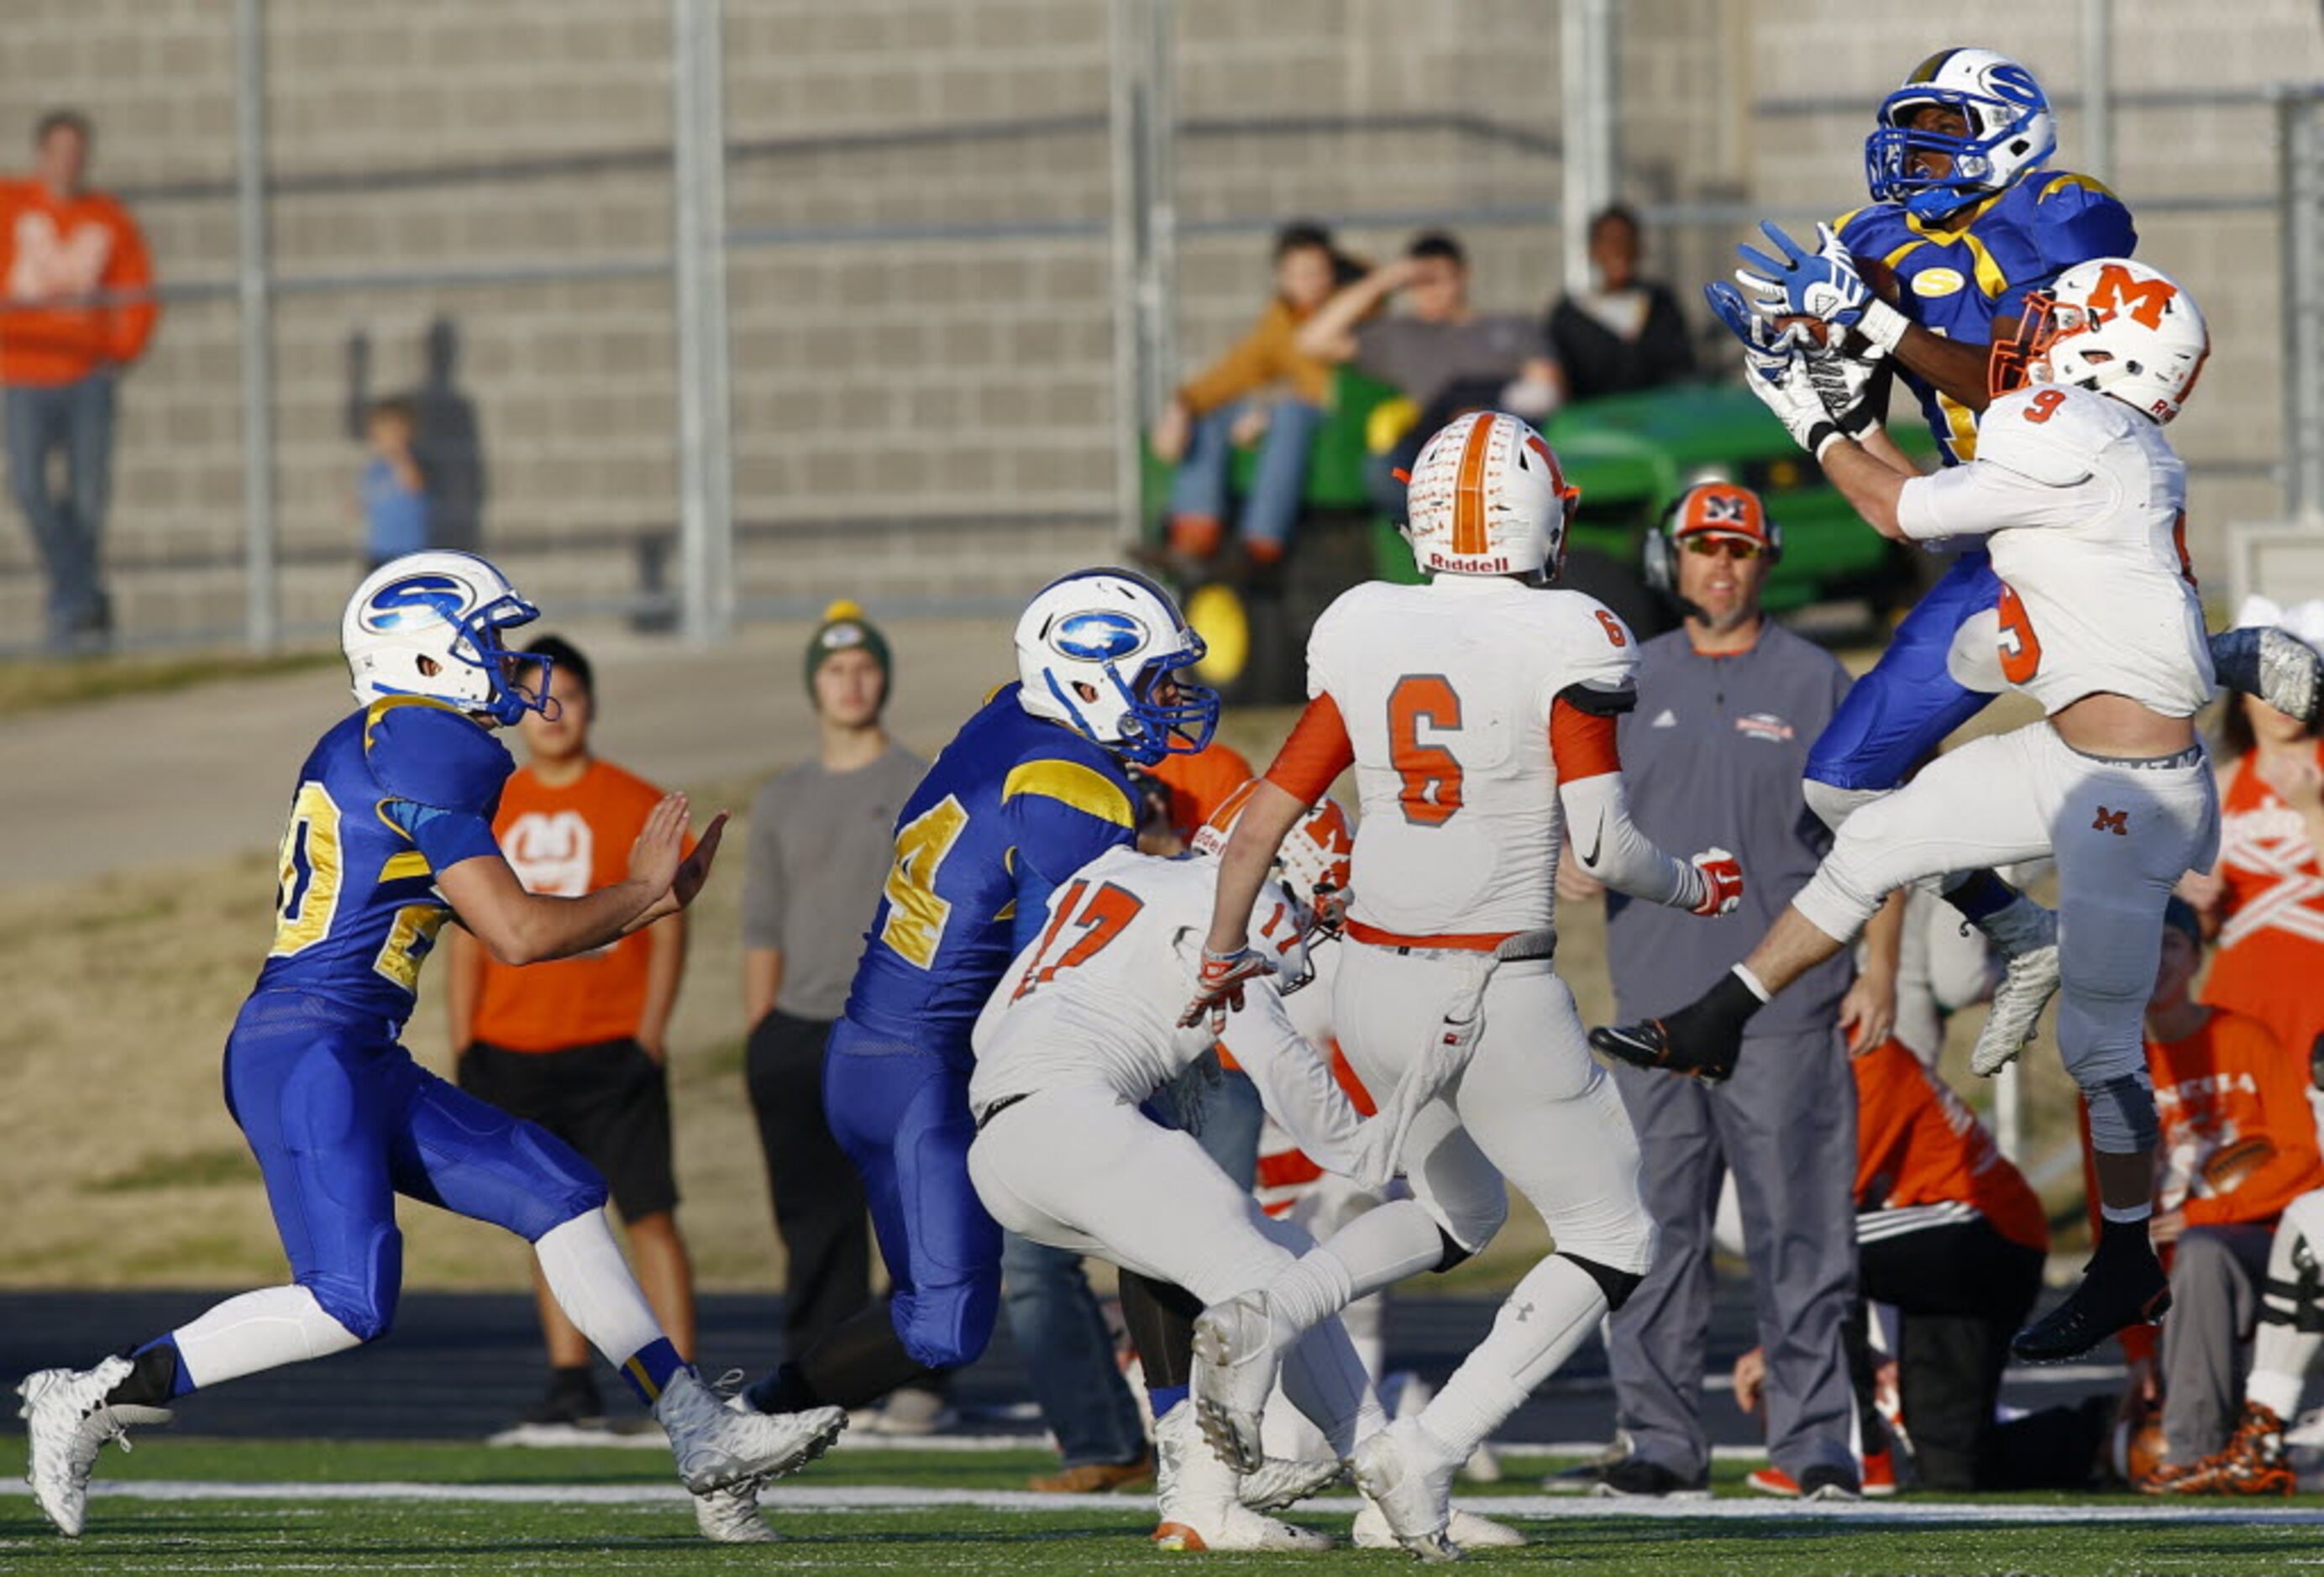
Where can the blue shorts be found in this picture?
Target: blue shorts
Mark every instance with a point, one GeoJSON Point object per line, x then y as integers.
{"type": "Point", "coordinates": [1903, 709]}
{"type": "Point", "coordinates": [342, 1120]}
{"type": "Point", "coordinates": [901, 1111]}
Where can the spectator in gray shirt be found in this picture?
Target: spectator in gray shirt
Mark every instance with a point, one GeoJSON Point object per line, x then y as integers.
{"type": "Point", "coordinates": [819, 850]}
{"type": "Point", "coordinates": [1728, 706]}
{"type": "Point", "coordinates": [1445, 356]}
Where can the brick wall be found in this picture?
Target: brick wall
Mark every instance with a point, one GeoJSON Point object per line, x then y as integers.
{"type": "Point", "coordinates": [964, 379]}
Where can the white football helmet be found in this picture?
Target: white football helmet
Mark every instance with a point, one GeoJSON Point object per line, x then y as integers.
{"type": "Point", "coordinates": [429, 624]}
{"type": "Point", "coordinates": [1487, 497]}
{"type": "Point", "coordinates": [1313, 863]}
{"type": "Point", "coordinates": [2114, 325]}
{"type": "Point", "coordinates": [2010, 130]}
{"type": "Point", "coordinates": [1091, 649]}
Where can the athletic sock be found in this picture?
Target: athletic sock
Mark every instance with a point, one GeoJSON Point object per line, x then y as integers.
{"type": "Point", "coordinates": [251, 1331]}
{"type": "Point", "coordinates": [1378, 1249]}
{"type": "Point", "coordinates": [1553, 1312]}
{"type": "Point", "coordinates": [785, 1390]}
{"type": "Point", "coordinates": [2125, 1216]}
{"type": "Point", "coordinates": [1162, 1398]}
{"type": "Point", "coordinates": [592, 1285]}
{"type": "Point", "coordinates": [155, 1380]}
{"type": "Point", "coordinates": [648, 1371]}
{"type": "Point", "coordinates": [1980, 895]}
{"type": "Point", "coordinates": [1324, 1377]}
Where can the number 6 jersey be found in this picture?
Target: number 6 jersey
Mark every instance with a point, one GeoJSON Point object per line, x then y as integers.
{"type": "Point", "coordinates": [1465, 704]}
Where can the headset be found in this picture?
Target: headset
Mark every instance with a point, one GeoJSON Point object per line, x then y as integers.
{"type": "Point", "coordinates": [1660, 564]}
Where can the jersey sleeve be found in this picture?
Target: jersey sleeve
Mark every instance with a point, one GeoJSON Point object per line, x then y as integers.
{"type": "Point", "coordinates": [444, 837]}
{"type": "Point", "coordinates": [1590, 660]}
{"type": "Point", "coordinates": [431, 755]}
{"type": "Point", "coordinates": [2075, 219]}
{"type": "Point", "coordinates": [1060, 815]}
{"type": "Point", "coordinates": [2025, 475]}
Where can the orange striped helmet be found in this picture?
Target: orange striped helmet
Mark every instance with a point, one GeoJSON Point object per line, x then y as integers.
{"type": "Point", "coordinates": [1312, 863]}
{"type": "Point", "coordinates": [1487, 497]}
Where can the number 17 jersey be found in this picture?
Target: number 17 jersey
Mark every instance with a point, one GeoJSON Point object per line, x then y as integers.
{"type": "Point", "coordinates": [1445, 694]}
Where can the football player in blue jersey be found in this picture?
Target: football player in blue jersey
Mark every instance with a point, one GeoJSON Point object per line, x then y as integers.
{"type": "Point", "coordinates": [389, 837]}
{"type": "Point", "coordinates": [1965, 220]}
{"type": "Point", "coordinates": [1031, 788]}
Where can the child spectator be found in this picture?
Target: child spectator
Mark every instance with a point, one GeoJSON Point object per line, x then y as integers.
{"type": "Point", "coordinates": [394, 495]}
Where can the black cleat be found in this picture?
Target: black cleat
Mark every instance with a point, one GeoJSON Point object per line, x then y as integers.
{"type": "Point", "coordinates": [2116, 1292]}
{"type": "Point", "coordinates": [1662, 1046]}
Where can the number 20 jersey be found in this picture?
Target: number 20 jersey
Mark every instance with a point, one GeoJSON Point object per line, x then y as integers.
{"type": "Point", "coordinates": [392, 794]}
{"type": "Point", "coordinates": [1013, 806]}
{"type": "Point", "coordinates": [1445, 691]}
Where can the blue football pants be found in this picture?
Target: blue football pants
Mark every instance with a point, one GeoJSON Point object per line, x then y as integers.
{"type": "Point", "coordinates": [342, 1120]}
{"type": "Point", "coordinates": [1905, 707]}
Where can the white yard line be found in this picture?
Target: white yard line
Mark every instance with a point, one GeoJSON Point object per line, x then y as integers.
{"type": "Point", "coordinates": [812, 1497]}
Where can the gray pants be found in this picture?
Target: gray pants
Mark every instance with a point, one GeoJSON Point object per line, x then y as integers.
{"type": "Point", "coordinates": [1786, 1126]}
{"type": "Point", "coordinates": [67, 526]}
{"type": "Point", "coordinates": [2216, 1276]}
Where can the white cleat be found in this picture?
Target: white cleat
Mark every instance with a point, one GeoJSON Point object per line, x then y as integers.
{"type": "Point", "coordinates": [1282, 1481]}
{"type": "Point", "coordinates": [730, 1517]}
{"type": "Point", "coordinates": [718, 1445]}
{"type": "Point", "coordinates": [1466, 1529]}
{"type": "Point", "coordinates": [1235, 1365]}
{"type": "Point", "coordinates": [1195, 1495]}
{"type": "Point", "coordinates": [66, 1424]}
{"type": "Point", "coordinates": [2291, 674]}
{"type": "Point", "coordinates": [1238, 1527]}
{"type": "Point", "coordinates": [2026, 986]}
{"type": "Point", "coordinates": [1398, 1474]}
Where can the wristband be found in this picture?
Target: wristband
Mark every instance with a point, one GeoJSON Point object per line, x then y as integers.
{"type": "Point", "coordinates": [1882, 324]}
{"type": "Point", "coordinates": [1822, 436]}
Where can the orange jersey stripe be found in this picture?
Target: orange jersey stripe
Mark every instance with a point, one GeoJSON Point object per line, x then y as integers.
{"type": "Point", "coordinates": [1581, 743]}
{"type": "Point", "coordinates": [1469, 490]}
{"type": "Point", "coordinates": [1317, 752]}
{"type": "Point", "coordinates": [1458, 941]}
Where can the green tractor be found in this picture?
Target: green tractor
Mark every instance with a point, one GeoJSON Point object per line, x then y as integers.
{"type": "Point", "coordinates": [1630, 455]}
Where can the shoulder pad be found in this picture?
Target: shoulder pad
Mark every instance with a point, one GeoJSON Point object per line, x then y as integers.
{"type": "Point", "coordinates": [2059, 450]}
{"type": "Point", "coordinates": [424, 751]}
{"type": "Point", "coordinates": [1092, 790]}
{"type": "Point", "coordinates": [1591, 642]}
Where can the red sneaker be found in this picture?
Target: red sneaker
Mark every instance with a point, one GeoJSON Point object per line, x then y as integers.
{"type": "Point", "coordinates": [1880, 1473]}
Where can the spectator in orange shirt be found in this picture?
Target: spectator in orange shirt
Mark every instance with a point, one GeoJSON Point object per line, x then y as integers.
{"type": "Point", "coordinates": [581, 1046]}
{"type": "Point", "coordinates": [1198, 785]}
{"type": "Point", "coordinates": [61, 349]}
{"type": "Point", "coordinates": [2238, 1146]}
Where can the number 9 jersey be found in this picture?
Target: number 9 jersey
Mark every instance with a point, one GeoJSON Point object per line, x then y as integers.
{"type": "Point", "coordinates": [396, 792]}
{"type": "Point", "coordinates": [1447, 696]}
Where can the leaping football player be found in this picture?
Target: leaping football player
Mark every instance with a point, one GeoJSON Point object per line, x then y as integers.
{"type": "Point", "coordinates": [1479, 713]}
{"type": "Point", "coordinates": [2082, 502]}
{"type": "Point", "coordinates": [389, 837]}
{"type": "Point", "coordinates": [1965, 220]}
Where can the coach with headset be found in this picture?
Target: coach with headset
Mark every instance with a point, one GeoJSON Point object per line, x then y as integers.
{"type": "Point", "coordinates": [1728, 706]}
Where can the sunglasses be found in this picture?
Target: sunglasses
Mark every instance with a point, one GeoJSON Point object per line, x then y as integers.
{"type": "Point", "coordinates": [1739, 550]}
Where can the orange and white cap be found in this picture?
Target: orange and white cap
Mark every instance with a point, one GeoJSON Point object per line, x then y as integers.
{"type": "Point", "coordinates": [1487, 497]}
{"type": "Point", "coordinates": [1722, 508]}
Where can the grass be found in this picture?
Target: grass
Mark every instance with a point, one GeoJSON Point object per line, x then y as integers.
{"type": "Point", "coordinates": [31, 684]}
{"type": "Point", "coordinates": [604, 1526]}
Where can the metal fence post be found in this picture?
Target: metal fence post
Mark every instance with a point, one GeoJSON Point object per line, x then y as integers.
{"type": "Point", "coordinates": [2299, 151]}
{"type": "Point", "coordinates": [1587, 71]}
{"type": "Point", "coordinates": [718, 450]}
{"type": "Point", "coordinates": [704, 579]}
{"type": "Point", "coordinates": [2098, 88]}
{"type": "Point", "coordinates": [262, 600]}
{"type": "Point", "coordinates": [1125, 102]}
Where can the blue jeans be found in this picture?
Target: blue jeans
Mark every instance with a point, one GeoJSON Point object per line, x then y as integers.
{"type": "Point", "coordinates": [67, 528]}
{"type": "Point", "coordinates": [1061, 1334]}
{"type": "Point", "coordinates": [1272, 507]}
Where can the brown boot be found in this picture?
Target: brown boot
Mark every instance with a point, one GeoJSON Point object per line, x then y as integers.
{"type": "Point", "coordinates": [2251, 1463]}
{"type": "Point", "coordinates": [1096, 1478]}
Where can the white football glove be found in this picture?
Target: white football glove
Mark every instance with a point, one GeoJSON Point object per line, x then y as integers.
{"type": "Point", "coordinates": [1853, 392]}
{"type": "Point", "coordinates": [1794, 401]}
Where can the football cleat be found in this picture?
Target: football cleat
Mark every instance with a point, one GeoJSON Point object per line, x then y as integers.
{"type": "Point", "coordinates": [1660, 1045]}
{"type": "Point", "coordinates": [1281, 1482]}
{"type": "Point", "coordinates": [2027, 983]}
{"type": "Point", "coordinates": [67, 1422]}
{"type": "Point", "coordinates": [1196, 1497]}
{"type": "Point", "coordinates": [730, 1517]}
{"type": "Point", "coordinates": [2252, 1463]}
{"type": "Point", "coordinates": [719, 1445]}
{"type": "Point", "coordinates": [2291, 674]}
{"type": "Point", "coordinates": [1413, 1490]}
{"type": "Point", "coordinates": [1235, 1365]}
{"type": "Point", "coordinates": [1466, 1529]}
{"type": "Point", "coordinates": [2115, 1293]}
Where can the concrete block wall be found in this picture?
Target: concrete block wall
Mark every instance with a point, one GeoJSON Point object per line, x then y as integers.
{"type": "Point", "coordinates": [961, 381]}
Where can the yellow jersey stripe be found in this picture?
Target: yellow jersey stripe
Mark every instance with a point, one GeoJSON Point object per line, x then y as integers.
{"type": "Point", "coordinates": [403, 867]}
{"type": "Point", "coordinates": [1070, 783]}
{"type": "Point", "coordinates": [2086, 182]}
{"type": "Point", "coordinates": [1989, 277]}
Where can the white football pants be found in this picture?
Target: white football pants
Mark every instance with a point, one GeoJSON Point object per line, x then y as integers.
{"type": "Point", "coordinates": [1080, 1169]}
{"type": "Point", "coordinates": [2123, 835]}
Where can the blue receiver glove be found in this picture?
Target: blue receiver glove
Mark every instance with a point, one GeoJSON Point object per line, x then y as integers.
{"type": "Point", "coordinates": [1767, 349]}
{"type": "Point", "coordinates": [1823, 284]}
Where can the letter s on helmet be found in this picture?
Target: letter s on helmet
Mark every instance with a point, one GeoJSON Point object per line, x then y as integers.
{"type": "Point", "coordinates": [1487, 497]}
{"type": "Point", "coordinates": [1090, 649]}
{"type": "Point", "coordinates": [2010, 130]}
{"type": "Point", "coordinates": [443, 611]}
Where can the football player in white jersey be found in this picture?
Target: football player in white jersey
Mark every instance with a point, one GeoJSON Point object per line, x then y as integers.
{"type": "Point", "coordinates": [1081, 1030]}
{"type": "Point", "coordinates": [1479, 713]}
{"type": "Point", "coordinates": [2083, 505]}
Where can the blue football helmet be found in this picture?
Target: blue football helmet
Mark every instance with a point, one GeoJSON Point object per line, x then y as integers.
{"type": "Point", "coordinates": [1092, 648]}
{"type": "Point", "coordinates": [429, 624]}
{"type": "Point", "coordinates": [2010, 130]}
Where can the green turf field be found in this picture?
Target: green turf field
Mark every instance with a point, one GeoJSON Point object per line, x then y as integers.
{"type": "Point", "coordinates": [192, 1506]}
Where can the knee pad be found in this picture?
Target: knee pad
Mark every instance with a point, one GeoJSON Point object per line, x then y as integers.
{"type": "Point", "coordinates": [1834, 804]}
{"type": "Point", "coordinates": [2122, 1114]}
{"type": "Point", "coordinates": [948, 1327]}
{"type": "Point", "coordinates": [363, 1302]}
{"type": "Point", "coordinates": [1617, 1285]}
